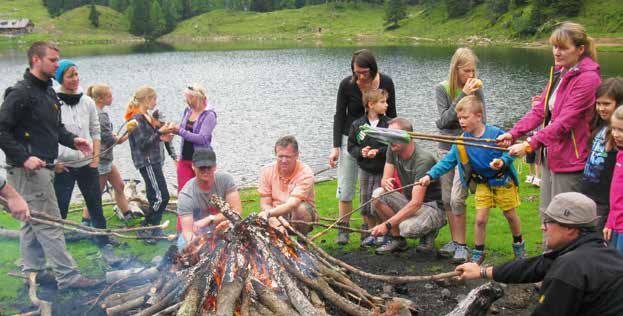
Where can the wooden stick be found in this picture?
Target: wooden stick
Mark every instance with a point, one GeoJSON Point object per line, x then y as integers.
{"type": "Point", "coordinates": [460, 143]}
{"type": "Point", "coordinates": [7, 233]}
{"type": "Point", "coordinates": [45, 307]}
{"type": "Point", "coordinates": [354, 230]}
{"type": "Point", "coordinates": [360, 207]}
{"type": "Point", "coordinates": [456, 138]}
{"type": "Point", "coordinates": [384, 278]}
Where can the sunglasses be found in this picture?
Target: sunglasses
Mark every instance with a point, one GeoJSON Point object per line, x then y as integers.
{"type": "Point", "coordinates": [194, 90]}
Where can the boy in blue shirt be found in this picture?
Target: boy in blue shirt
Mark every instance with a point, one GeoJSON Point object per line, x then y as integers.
{"type": "Point", "coordinates": [492, 170]}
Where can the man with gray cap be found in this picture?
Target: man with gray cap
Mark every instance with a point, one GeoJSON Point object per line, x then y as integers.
{"type": "Point", "coordinates": [581, 275]}
{"type": "Point", "coordinates": [198, 215]}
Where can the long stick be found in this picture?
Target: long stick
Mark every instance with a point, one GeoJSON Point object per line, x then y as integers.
{"type": "Point", "coordinates": [456, 138]}
{"type": "Point", "coordinates": [360, 207]}
{"type": "Point", "coordinates": [42, 218]}
{"type": "Point", "coordinates": [354, 230]}
{"type": "Point", "coordinates": [459, 142]}
{"type": "Point", "coordinates": [379, 277]}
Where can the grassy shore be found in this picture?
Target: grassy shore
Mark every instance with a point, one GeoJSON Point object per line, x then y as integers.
{"type": "Point", "coordinates": [332, 24]}
{"type": "Point", "coordinates": [89, 261]}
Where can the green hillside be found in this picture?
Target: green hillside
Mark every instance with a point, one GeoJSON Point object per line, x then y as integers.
{"type": "Point", "coordinates": [330, 24]}
{"type": "Point", "coordinates": [364, 23]}
{"type": "Point", "coordinates": [72, 27]}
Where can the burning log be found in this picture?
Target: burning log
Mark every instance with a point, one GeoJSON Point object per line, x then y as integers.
{"type": "Point", "coordinates": [249, 268]}
{"type": "Point", "coordinates": [478, 300]}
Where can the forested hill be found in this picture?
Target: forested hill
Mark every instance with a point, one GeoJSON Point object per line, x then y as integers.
{"type": "Point", "coordinates": [380, 21]}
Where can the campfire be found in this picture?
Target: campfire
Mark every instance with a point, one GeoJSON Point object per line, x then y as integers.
{"type": "Point", "coordinates": [248, 269]}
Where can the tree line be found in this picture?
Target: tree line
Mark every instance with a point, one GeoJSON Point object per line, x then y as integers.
{"type": "Point", "coordinates": [153, 18]}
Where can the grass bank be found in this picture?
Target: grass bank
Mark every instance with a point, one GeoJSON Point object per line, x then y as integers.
{"type": "Point", "coordinates": [12, 291]}
{"type": "Point", "coordinates": [327, 25]}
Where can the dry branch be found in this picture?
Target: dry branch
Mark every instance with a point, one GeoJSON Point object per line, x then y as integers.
{"type": "Point", "coordinates": [478, 300]}
{"type": "Point", "coordinates": [45, 307]}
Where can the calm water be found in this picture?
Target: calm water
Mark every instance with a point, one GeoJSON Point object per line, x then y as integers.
{"type": "Point", "coordinates": [262, 95]}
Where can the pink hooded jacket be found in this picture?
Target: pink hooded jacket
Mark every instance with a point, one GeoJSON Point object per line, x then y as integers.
{"type": "Point", "coordinates": [566, 136]}
{"type": "Point", "coordinates": [615, 217]}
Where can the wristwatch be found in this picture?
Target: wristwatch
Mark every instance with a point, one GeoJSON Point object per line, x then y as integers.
{"type": "Point", "coordinates": [388, 225]}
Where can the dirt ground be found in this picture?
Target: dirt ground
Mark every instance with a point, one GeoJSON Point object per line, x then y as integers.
{"type": "Point", "coordinates": [433, 298]}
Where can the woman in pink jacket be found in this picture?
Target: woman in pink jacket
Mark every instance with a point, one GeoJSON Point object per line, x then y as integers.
{"type": "Point", "coordinates": [564, 112]}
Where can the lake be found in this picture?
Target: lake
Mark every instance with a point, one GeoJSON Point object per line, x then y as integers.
{"type": "Point", "coordinates": [260, 95]}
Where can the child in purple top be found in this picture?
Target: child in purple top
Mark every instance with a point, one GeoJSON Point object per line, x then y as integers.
{"type": "Point", "coordinates": [195, 130]}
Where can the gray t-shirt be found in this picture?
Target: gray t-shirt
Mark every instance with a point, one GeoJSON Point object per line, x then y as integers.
{"type": "Point", "coordinates": [192, 200]}
{"type": "Point", "coordinates": [413, 169]}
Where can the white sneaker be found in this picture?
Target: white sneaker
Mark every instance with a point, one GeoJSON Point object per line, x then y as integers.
{"type": "Point", "coordinates": [536, 182]}
{"type": "Point", "coordinates": [529, 179]}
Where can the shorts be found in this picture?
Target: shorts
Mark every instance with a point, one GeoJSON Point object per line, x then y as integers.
{"type": "Point", "coordinates": [308, 208]}
{"type": "Point", "coordinates": [368, 182]}
{"type": "Point", "coordinates": [347, 170]}
{"type": "Point", "coordinates": [105, 167]}
{"type": "Point", "coordinates": [430, 216]}
{"type": "Point", "coordinates": [453, 192]}
{"type": "Point", "coordinates": [505, 197]}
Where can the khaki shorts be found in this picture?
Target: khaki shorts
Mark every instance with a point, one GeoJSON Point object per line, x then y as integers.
{"type": "Point", "coordinates": [505, 197]}
{"type": "Point", "coordinates": [430, 216]}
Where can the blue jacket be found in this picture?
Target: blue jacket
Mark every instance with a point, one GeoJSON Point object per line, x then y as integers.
{"type": "Point", "coordinates": [453, 158]}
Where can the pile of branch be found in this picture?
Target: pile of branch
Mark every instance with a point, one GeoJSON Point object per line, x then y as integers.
{"type": "Point", "coordinates": [248, 269]}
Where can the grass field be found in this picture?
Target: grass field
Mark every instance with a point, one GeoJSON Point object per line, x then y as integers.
{"type": "Point", "coordinates": [86, 253]}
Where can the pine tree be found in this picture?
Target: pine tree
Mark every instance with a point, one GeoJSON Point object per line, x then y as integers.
{"type": "Point", "coordinates": [157, 22]}
{"type": "Point", "coordinates": [395, 10]}
{"type": "Point", "coordinates": [94, 16]}
{"type": "Point", "coordinates": [170, 14]}
{"type": "Point", "coordinates": [139, 17]}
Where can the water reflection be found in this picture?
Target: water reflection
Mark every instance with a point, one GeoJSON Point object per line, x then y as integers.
{"type": "Point", "coordinates": [262, 95]}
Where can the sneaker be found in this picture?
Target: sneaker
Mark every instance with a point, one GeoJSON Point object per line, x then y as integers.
{"type": "Point", "coordinates": [460, 255]}
{"type": "Point", "coordinates": [529, 179]}
{"type": "Point", "coordinates": [124, 217]}
{"type": "Point", "coordinates": [427, 243]}
{"type": "Point", "coordinates": [86, 222]}
{"type": "Point", "coordinates": [519, 249]}
{"type": "Point", "coordinates": [447, 251]}
{"type": "Point", "coordinates": [368, 242]}
{"type": "Point", "coordinates": [83, 283]}
{"type": "Point", "coordinates": [478, 256]}
{"type": "Point", "coordinates": [394, 244]}
{"type": "Point", "coordinates": [342, 236]}
{"type": "Point", "coordinates": [108, 254]}
{"type": "Point", "coordinates": [158, 232]}
{"type": "Point", "coordinates": [146, 234]}
{"type": "Point", "coordinates": [536, 182]}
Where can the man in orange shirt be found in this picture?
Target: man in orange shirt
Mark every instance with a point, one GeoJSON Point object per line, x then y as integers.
{"type": "Point", "coordinates": [287, 187]}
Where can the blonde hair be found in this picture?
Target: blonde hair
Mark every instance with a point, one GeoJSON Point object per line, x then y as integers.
{"type": "Point", "coordinates": [98, 91]}
{"type": "Point", "coordinates": [373, 96]}
{"type": "Point", "coordinates": [618, 115]}
{"type": "Point", "coordinates": [462, 57]}
{"type": "Point", "coordinates": [139, 97]}
{"type": "Point", "coordinates": [573, 33]}
{"type": "Point", "coordinates": [470, 103]}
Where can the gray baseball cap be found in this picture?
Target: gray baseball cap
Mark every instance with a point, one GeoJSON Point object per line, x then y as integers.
{"type": "Point", "coordinates": [204, 157]}
{"type": "Point", "coordinates": [572, 209]}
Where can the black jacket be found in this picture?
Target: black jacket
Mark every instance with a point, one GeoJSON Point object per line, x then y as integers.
{"type": "Point", "coordinates": [349, 105]}
{"type": "Point", "coordinates": [145, 143]}
{"type": "Point", "coordinates": [375, 165]}
{"type": "Point", "coordinates": [30, 122]}
{"type": "Point", "coordinates": [584, 278]}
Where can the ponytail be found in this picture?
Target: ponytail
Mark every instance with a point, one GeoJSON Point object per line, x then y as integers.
{"type": "Point", "coordinates": [97, 91]}
{"type": "Point", "coordinates": [138, 98]}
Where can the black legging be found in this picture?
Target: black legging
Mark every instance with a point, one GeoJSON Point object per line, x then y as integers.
{"type": "Point", "coordinates": [157, 193]}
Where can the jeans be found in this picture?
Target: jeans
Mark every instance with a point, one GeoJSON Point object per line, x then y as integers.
{"type": "Point", "coordinates": [88, 183]}
{"type": "Point", "coordinates": [157, 193]}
